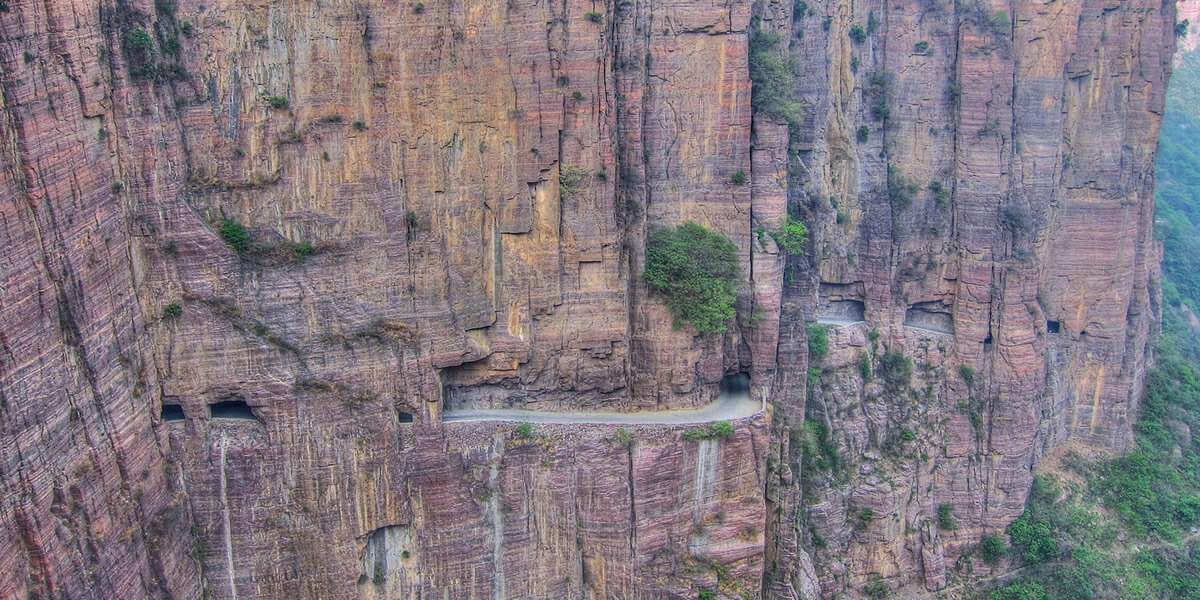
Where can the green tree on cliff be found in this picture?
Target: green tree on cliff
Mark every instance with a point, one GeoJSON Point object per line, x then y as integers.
{"type": "Point", "coordinates": [697, 272]}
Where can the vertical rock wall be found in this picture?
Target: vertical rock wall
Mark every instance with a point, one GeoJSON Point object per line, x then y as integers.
{"type": "Point", "coordinates": [447, 204]}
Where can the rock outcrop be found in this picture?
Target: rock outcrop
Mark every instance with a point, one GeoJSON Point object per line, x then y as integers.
{"type": "Point", "coordinates": [447, 205]}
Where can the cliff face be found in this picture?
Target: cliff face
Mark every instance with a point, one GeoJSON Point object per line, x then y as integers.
{"type": "Point", "coordinates": [447, 206]}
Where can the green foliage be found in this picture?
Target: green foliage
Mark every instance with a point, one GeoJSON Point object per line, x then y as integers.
{"type": "Point", "coordinates": [738, 178]}
{"type": "Point", "coordinates": [418, 8]}
{"type": "Point", "coordinates": [577, 95]}
{"type": "Point", "coordinates": [697, 272]}
{"type": "Point", "coordinates": [863, 134]}
{"type": "Point", "coordinates": [1022, 590]}
{"type": "Point", "coordinates": [791, 236]}
{"type": "Point", "coordinates": [901, 189]}
{"type": "Point", "coordinates": [818, 340]}
{"type": "Point", "coordinates": [772, 76]}
{"type": "Point", "coordinates": [1181, 28]}
{"type": "Point", "coordinates": [707, 594]}
{"type": "Point", "coordinates": [594, 17]}
{"type": "Point", "coordinates": [187, 28]}
{"type": "Point", "coordinates": [876, 587]}
{"type": "Point", "coordinates": [921, 47]}
{"type": "Point", "coordinates": [858, 34]}
{"type": "Point", "coordinates": [404, 554]}
{"type": "Point", "coordinates": [236, 235]}
{"type": "Point", "coordinates": [624, 438]}
{"type": "Point", "coordinates": [896, 370]}
{"type": "Point", "coordinates": [864, 366]}
{"type": "Point", "coordinates": [139, 51]}
{"type": "Point", "coordinates": [820, 453]}
{"type": "Point", "coordinates": [28, 57]}
{"type": "Point", "coordinates": [968, 374]}
{"type": "Point", "coordinates": [907, 434]}
{"type": "Point", "coordinates": [873, 335]}
{"type": "Point", "coordinates": [278, 102]}
{"type": "Point", "coordinates": [524, 430]}
{"type": "Point", "coordinates": [570, 179]}
{"type": "Point", "coordinates": [866, 515]}
{"type": "Point", "coordinates": [303, 249]}
{"type": "Point", "coordinates": [720, 429]}
{"type": "Point", "coordinates": [172, 310]}
{"type": "Point", "coordinates": [945, 517]}
{"type": "Point", "coordinates": [992, 548]}
{"type": "Point", "coordinates": [359, 126]}
{"type": "Point", "coordinates": [165, 7]}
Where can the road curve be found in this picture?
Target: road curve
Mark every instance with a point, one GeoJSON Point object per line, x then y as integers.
{"type": "Point", "coordinates": [726, 408]}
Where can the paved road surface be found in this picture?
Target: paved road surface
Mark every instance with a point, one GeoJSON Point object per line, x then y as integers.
{"type": "Point", "coordinates": [726, 408]}
{"type": "Point", "coordinates": [838, 321]}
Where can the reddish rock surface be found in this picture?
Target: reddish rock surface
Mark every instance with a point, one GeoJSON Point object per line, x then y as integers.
{"type": "Point", "coordinates": [477, 181]}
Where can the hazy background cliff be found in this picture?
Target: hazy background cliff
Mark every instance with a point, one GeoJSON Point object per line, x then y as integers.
{"type": "Point", "coordinates": [448, 204]}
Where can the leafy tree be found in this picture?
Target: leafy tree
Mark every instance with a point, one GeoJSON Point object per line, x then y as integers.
{"type": "Point", "coordinates": [791, 236]}
{"type": "Point", "coordinates": [697, 272]}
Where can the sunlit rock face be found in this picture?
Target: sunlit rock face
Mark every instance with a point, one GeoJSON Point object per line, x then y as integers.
{"type": "Point", "coordinates": [447, 207]}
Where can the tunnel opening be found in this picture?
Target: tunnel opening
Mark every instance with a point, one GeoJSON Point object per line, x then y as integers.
{"type": "Point", "coordinates": [231, 409]}
{"type": "Point", "coordinates": [1053, 326]}
{"type": "Point", "coordinates": [841, 304]}
{"type": "Point", "coordinates": [405, 417]}
{"type": "Point", "coordinates": [172, 412]}
{"type": "Point", "coordinates": [735, 384]}
{"type": "Point", "coordinates": [930, 316]}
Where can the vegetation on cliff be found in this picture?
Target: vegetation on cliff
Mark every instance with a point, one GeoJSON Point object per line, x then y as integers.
{"type": "Point", "coordinates": [697, 272]}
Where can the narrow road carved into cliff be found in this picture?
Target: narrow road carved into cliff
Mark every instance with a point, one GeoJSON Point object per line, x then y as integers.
{"type": "Point", "coordinates": [728, 407]}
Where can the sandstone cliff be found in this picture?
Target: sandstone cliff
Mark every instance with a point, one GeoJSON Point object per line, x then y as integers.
{"type": "Point", "coordinates": [447, 205]}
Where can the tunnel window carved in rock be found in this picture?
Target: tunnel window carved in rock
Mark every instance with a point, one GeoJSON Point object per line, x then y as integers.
{"type": "Point", "coordinates": [405, 417]}
{"type": "Point", "coordinates": [231, 409]}
{"type": "Point", "coordinates": [1053, 326]}
{"type": "Point", "coordinates": [735, 385]}
{"type": "Point", "coordinates": [841, 303]}
{"type": "Point", "coordinates": [172, 412]}
{"type": "Point", "coordinates": [930, 316]}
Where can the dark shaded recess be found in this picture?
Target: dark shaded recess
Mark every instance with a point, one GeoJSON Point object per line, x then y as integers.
{"type": "Point", "coordinates": [231, 409]}
{"type": "Point", "coordinates": [406, 417]}
{"type": "Point", "coordinates": [1053, 326]}
{"type": "Point", "coordinates": [172, 412]}
{"type": "Point", "coordinates": [735, 384]}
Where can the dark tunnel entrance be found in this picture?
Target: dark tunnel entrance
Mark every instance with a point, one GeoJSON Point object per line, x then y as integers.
{"type": "Point", "coordinates": [231, 409]}
{"type": "Point", "coordinates": [172, 412]}
{"type": "Point", "coordinates": [735, 384]}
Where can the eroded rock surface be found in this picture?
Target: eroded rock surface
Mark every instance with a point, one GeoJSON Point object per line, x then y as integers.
{"type": "Point", "coordinates": [447, 205]}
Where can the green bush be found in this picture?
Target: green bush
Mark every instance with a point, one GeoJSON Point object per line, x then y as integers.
{"type": "Point", "coordinates": [1022, 590]}
{"type": "Point", "coordinates": [818, 340]}
{"type": "Point", "coordinates": [921, 47]}
{"type": "Point", "coordinates": [577, 95]}
{"type": "Point", "coordinates": [992, 548]}
{"type": "Point", "coordinates": [907, 434]}
{"type": "Point", "coordinates": [866, 515]}
{"type": "Point", "coordinates": [303, 249]}
{"type": "Point", "coordinates": [876, 587]}
{"type": "Point", "coordinates": [524, 430]}
{"type": "Point", "coordinates": [359, 126]}
{"type": "Point", "coordinates": [738, 178]}
{"type": "Point", "coordinates": [864, 366]}
{"type": "Point", "coordinates": [278, 102]}
{"type": "Point", "coordinates": [624, 438]}
{"type": "Point", "coordinates": [707, 594]}
{"type": "Point", "coordinates": [594, 17]}
{"type": "Point", "coordinates": [772, 76]}
{"type": "Point", "coordinates": [820, 452]}
{"type": "Point", "coordinates": [791, 236]}
{"type": "Point", "coordinates": [720, 429]}
{"type": "Point", "coordinates": [1181, 28]}
{"type": "Point", "coordinates": [697, 272]}
{"type": "Point", "coordinates": [236, 235]}
{"type": "Point", "coordinates": [945, 517]}
{"type": "Point", "coordinates": [864, 133]}
{"type": "Point", "coordinates": [968, 374]}
{"type": "Point", "coordinates": [172, 310]}
{"type": "Point", "coordinates": [858, 34]}
{"type": "Point", "coordinates": [896, 369]}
